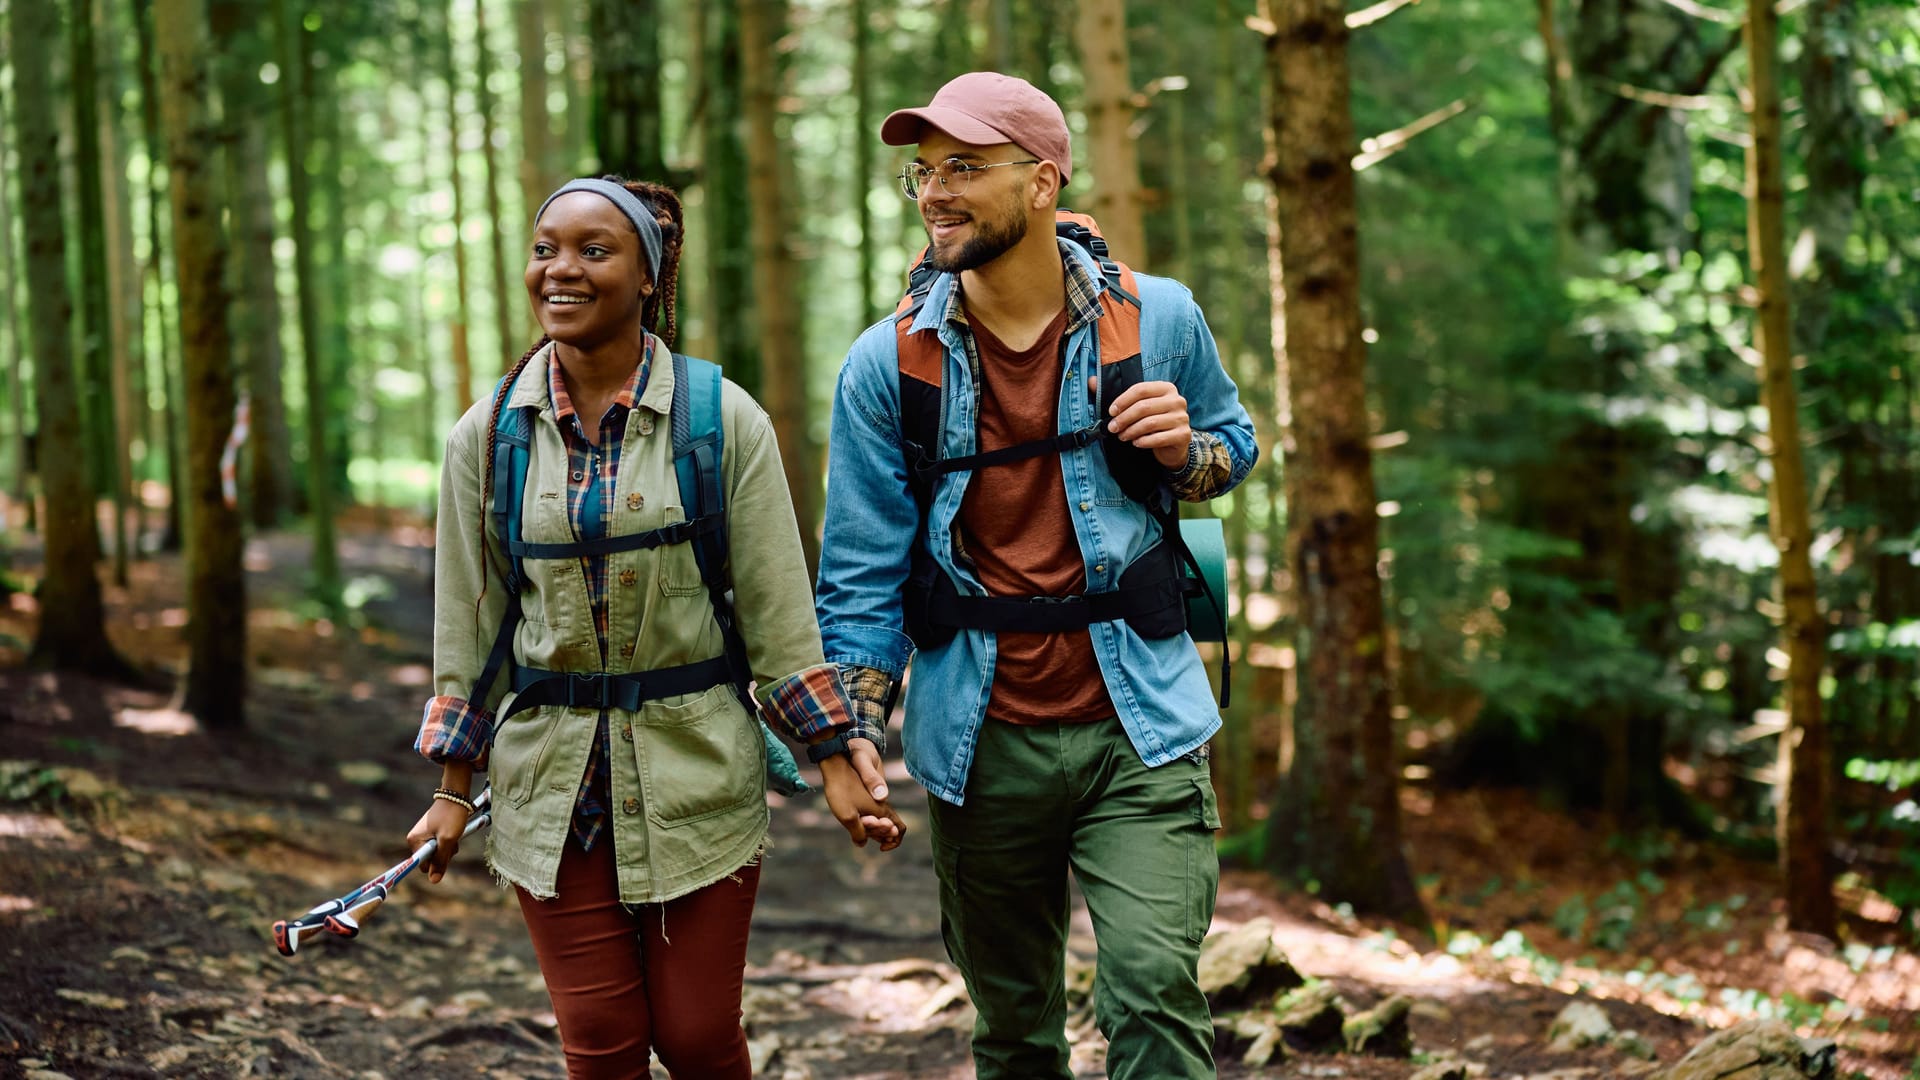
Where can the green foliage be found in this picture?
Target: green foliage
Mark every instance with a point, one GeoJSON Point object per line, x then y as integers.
{"type": "Point", "coordinates": [1608, 922]}
{"type": "Point", "coordinates": [31, 784]}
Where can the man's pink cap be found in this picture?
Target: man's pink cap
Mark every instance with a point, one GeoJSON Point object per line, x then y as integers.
{"type": "Point", "coordinates": [984, 108]}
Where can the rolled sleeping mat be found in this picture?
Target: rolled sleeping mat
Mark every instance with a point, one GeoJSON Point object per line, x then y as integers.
{"type": "Point", "coordinates": [1207, 542]}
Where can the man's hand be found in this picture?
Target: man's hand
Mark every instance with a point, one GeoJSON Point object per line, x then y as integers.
{"type": "Point", "coordinates": [1151, 416]}
{"type": "Point", "coordinates": [857, 794]}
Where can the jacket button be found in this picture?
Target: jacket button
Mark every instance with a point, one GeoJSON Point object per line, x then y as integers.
{"type": "Point", "coordinates": [631, 806]}
{"type": "Point", "coordinates": [646, 425]}
{"type": "Point", "coordinates": [627, 650]}
{"type": "Point", "coordinates": [635, 502]}
{"type": "Point", "coordinates": [578, 476]}
{"type": "Point", "coordinates": [1099, 568]}
{"type": "Point", "coordinates": [626, 732]}
{"type": "Point", "coordinates": [628, 577]}
{"type": "Point", "coordinates": [1086, 506]}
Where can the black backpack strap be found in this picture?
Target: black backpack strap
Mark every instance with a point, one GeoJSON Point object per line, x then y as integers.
{"type": "Point", "coordinates": [625, 691]}
{"type": "Point", "coordinates": [1058, 444]}
{"type": "Point", "coordinates": [680, 532]}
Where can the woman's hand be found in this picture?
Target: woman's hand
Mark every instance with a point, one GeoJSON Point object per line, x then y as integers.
{"type": "Point", "coordinates": [443, 821]}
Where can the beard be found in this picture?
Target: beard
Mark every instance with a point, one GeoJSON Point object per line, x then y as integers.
{"type": "Point", "coordinates": [991, 239]}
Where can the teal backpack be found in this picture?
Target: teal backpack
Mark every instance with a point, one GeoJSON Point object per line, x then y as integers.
{"type": "Point", "coordinates": [698, 438]}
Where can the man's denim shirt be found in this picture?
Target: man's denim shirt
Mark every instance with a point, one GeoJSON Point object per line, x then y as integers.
{"type": "Point", "coordinates": [1158, 687]}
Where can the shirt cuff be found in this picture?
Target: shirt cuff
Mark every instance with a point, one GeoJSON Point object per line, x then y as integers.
{"type": "Point", "coordinates": [808, 704]}
{"type": "Point", "coordinates": [453, 729]}
{"type": "Point", "coordinates": [871, 692]}
{"type": "Point", "coordinates": [1208, 468]}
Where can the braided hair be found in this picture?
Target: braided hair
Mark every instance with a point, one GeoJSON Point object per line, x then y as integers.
{"type": "Point", "coordinates": [657, 314]}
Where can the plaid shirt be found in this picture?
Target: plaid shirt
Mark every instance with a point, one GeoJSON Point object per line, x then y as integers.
{"type": "Point", "coordinates": [592, 469]}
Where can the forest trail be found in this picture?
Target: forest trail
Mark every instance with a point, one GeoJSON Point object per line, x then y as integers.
{"type": "Point", "coordinates": [142, 863]}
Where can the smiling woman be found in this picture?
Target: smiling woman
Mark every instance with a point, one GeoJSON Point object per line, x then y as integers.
{"type": "Point", "coordinates": [564, 499]}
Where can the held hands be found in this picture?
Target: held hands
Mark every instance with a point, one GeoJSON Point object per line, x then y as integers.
{"type": "Point", "coordinates": [443, 821]}
{"type": "Point", "coordinates": [1151, 416]}
{"type": "Point", "coordinates": [857, 794]}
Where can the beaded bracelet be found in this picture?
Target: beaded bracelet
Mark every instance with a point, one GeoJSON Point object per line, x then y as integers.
{"type": "Point", "coordinates": [454, 797]}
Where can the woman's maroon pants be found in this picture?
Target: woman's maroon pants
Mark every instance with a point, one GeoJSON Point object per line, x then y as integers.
{"type": "Point", "coordinates": [660, 977]}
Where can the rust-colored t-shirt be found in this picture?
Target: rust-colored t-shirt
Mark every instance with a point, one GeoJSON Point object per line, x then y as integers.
{"type": "Point", "coordinates": [1015, 527]}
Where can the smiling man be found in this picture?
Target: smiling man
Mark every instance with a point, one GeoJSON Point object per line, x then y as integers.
{"type": "Point", "coordinates": [1005, 454]}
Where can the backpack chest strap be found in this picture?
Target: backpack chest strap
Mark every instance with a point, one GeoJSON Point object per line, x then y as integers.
{"type": "Point", "coordinates": [680, 532]}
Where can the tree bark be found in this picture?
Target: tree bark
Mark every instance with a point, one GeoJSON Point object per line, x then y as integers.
{"type": "Point", "coordinates": [724, 206]}
{"type": "Point", "coordinates": [627, 131]}
{"type": "Point", "coordinates": [1101, 28]}
{"type": "Point", "coordinates": [536, 133]}
{"type": "Point", "coordinates": [123, 299]}
{"type": "Point", "coordinates": [863, 142]}
{"type": "Point", "coordinates": [505, 302]}
{"type": "Point", "coordinates": [775, 272]}
{"type": "Point", "coordinates": [72, 632]}
{"type": "Point", "coordinates": [1805, 770]}
{"type": "Point", "coordinates": [167, 434]}
{"type": "Point", "coordinates": [296, 66]}
{"type": "Point", "coordinates": [463, 317]}
{"type": "Point", "coordinates": [96, 305]}
{"type": "Point", "coordinates": [255, 325]}
{"type": "Point", "coordinates": [21, 451]}
{"type": "Point", "coordinates": [1341, 825]}
{"type": "Point", "coordinates": [216, 585]}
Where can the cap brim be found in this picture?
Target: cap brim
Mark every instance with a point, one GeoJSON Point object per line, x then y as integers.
{"type": "Point", "coordinates": [907, 126]}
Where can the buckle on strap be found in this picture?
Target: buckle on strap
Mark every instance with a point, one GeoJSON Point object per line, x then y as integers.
{"type": "Point", "coordinates": [587, 691]}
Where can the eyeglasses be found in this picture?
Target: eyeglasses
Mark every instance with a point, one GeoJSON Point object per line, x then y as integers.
{"type": "Point", "coordinates": [953, 174]}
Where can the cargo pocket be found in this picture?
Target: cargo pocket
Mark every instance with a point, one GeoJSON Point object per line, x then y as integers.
{"type": "Point", "coordinates": [698, 759]}
{"type": "Point", "coordinates": [953, 923]}
{"type": "Point", "coordinates": [1203, 862]}
{"type": "Point", "coordinates": [520, 748]}
{"type": "Point", "coordinates": [679, 573]}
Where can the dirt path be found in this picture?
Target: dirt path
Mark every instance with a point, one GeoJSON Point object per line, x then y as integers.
{"type": "Point", "coordinates": [142, 862]}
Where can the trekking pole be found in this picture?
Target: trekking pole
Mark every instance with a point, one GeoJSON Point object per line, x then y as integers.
{"type": "Point", "coordinates": [344, 914]}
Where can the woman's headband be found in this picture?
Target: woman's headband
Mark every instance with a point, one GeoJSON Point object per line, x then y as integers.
{"type": "Point", "coordinates": [643, 220]}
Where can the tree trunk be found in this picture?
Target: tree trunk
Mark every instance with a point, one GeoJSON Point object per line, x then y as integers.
{"type": "Point", "coordinates": [167, 433]}
{"type": "Point", "coordinates": [72, 631]}
{"type": "Point", "coordinates": [536, 133]}
{"type": "Point", "coordinates": [1112, 155]}
{"type": "Point", "coordinates": [216, 586]}
{"type": "Point", "coordinates": [463, 317]}
{"type": "Point", "coordinates": [626, 89]}
{"type": "Point", "coordinates": [256, 313]}
{"type": "Point", "coordinates": [724, 205]}
{"type": "Point", "coordinates": [577, 19]}
{"type": "Point", "coordinates": [863, 131]}
{"type": "Point", "coordinates": [1342, 822]}
{"type": "Point", "coordinates": [324, 105]}
{"type": "Point", "coordinates": [123, 298]}
{"type": "Point", "coordinates": [1804, 766]}
{"type": "Point", "coordinates": [20, 449]}
{"type": "Point", "coordinates": [296, 66]}
{"type": "Point", "coordinates": [775, 272]}
{"type": "Point", "coordinates": [96, 306]}
{"type": "Point", "coordinates": [505, 302]}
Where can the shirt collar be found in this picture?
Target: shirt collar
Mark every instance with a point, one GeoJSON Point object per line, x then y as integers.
{"type": "Point", "coordinates": [640, 387]}
{"type": "Point", "coordinates": [1083, 291]}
